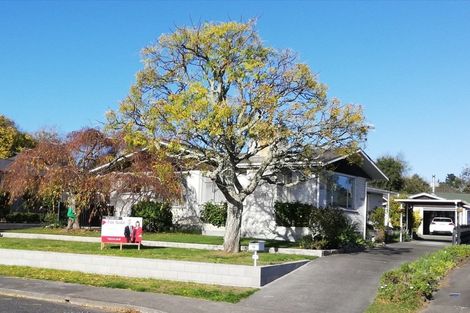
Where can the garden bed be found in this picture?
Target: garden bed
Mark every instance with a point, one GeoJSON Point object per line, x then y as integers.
{"type": "Point", "coordinates": [407, 288]}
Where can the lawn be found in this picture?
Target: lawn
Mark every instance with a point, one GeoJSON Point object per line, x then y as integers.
{"type": "Point", "coordinates": [193, 290]}
{"type": "Point", "coordinates": [167, 236]}
{"type": "Point", "coordinates": [196, 255]}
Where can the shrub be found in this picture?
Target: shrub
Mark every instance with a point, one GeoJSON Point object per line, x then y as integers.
{"type": "Point", "coordinates": [377, 218]}
{"type": "Point", "coordinates": [329, 224]}
{"type": "Point", "coordinates": [292, 214]}
{"type": "Point", "coordinates": [156, 216]}
{"type": "Point", "coordinates": [23, 217]}
{"type": "Point", "coordinates": [215, 214]}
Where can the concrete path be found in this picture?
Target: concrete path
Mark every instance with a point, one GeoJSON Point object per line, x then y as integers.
{"type": "Point", "coordinates": [339, 283]}
{"type": "Point", "coordinates": [454, 294]}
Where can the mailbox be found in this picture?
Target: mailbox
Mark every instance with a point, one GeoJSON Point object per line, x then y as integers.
{"type": "Point", "coordinates": [256, 246]}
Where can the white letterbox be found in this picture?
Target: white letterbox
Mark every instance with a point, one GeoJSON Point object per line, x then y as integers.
{"type": "Point", "coordinates": [256, 245]}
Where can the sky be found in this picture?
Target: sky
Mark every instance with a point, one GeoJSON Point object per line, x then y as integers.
{"type": "Point", "coordinates": [63, 64]}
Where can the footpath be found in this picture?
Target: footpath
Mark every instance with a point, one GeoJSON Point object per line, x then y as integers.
{"type": "Point", "coordinates": [454, 294]}
{"type": "Point", "coordinates": [334, 284]}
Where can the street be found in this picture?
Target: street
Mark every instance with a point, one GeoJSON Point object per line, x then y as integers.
{"type": "Point", "coordinates": [21, 305]}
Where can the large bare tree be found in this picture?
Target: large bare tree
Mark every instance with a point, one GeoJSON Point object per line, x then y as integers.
{"type": "Point", "coordinates": [216, 93]}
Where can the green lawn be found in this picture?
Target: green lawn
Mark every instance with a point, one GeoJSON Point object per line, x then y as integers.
{"type": "Point", "coordinates": [194, 290]}
{"type": "Point", "coordinates": [169, 236]}
{"type": "Point", "coordinates": [195, 255]}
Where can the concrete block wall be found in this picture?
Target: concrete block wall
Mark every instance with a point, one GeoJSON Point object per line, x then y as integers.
{"type": "Point", "coordinates": [208, 273]}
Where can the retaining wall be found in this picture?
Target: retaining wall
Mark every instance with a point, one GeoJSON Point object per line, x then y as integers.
{"type": "Point", "coordinates": [208, 273]}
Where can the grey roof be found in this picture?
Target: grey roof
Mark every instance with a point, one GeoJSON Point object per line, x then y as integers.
{"type": "Point", "coordinates": [4, 163]}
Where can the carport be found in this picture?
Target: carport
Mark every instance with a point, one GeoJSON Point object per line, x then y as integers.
{"type": "Point", "coordinates": [428, 206]}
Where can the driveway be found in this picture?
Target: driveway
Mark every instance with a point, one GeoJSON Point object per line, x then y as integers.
{"type": "Point", "coordinates": [338, 283]}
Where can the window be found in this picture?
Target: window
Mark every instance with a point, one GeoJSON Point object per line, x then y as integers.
{"type": "Point", "coordinates": [340, 191]}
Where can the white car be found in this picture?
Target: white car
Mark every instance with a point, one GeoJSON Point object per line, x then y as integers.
{"type": "Point", "coordinates": [441, 225]}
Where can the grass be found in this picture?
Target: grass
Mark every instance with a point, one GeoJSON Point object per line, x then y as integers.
{"type": "Point", "coordinates": [196, 255]}
{"type": "Point", "coordinates": [193, 290]}
{"type": "Point", "coordinates": [407, 288]}
{"type": "Point", "coordinates": [164, 236]}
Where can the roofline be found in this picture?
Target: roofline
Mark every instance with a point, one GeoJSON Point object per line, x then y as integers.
{"type": "Point", "coordinates": [365, 155]}
{"type": "Point", "coordinates": [427, 195]}
{"type": "Point", "coordinates": [382, 191]}
{"type": "Point", "coordinates": [455, 201]}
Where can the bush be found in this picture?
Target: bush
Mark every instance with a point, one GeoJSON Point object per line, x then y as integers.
{"type": "Point", "coordinates": [215, 214]}
{"type": "Point", "coordinates": [415, 282]}
{"type": "Point", "coordinates": [20, 217]}
{"type": "Point", "coordinates": [332, 225]}
{"type": "Point", "coordinates": [331, 229]}
{"type": "Point", "coordinates": [377, 218]}
{"type": "Point", "coordinates": [156, 216]}
{"type": "Point", "coordinates": [292, 214]}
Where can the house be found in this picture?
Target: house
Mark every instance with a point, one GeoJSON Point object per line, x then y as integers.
{"type": "Point", "coordinates": [344, 186]}
{"type": "Point", "coordinates": [427, 206]}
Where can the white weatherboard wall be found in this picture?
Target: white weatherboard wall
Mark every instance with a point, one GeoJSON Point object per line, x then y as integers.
{"type": "Point", "coordinates": [258, 219]}
{"type": "Point", "coordinates": [208, 273]}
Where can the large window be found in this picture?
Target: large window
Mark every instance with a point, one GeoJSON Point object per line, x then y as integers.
{"type": "Point", "coordinates": [340, 191]}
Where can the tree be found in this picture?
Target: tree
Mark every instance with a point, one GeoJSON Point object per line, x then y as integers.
{"type": "Point", "coordinates": [395, 169]}
{"type": "Point", "coordinates": [215, 94]}
{"type": "Point", "coordinates": [12, 140]}
{"type": "Point", "coordinates": [415, 184]}
{"type": "Point", "coordinates": [68, 166]}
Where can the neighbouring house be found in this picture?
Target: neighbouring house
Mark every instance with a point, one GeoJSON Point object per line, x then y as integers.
{"type": "Point", "coordinates": [426, 206]}
{"type": "Point", "coordinates": [344, 185]}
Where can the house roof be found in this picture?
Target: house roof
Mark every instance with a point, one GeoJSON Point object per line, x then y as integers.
{"type": "Point", "coordinates": [380, 191]}
{"type": "Point", "coordinates": [4, 163]}
{"type": "Point", "coordinates": [367, 167]}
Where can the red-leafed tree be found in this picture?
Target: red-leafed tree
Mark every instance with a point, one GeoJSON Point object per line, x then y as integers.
{"type": "Point", "coordinates": [86, 166]}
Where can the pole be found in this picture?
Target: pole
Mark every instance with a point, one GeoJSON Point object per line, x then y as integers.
{"type": "Point", "coordinates": [401, 222]}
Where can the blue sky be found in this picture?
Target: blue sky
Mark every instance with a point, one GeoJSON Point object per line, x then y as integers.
{"type": "Point", "coordinates": [64, 63]}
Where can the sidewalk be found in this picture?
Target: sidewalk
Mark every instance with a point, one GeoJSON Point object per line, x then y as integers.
{"type": "Point", "coordinates": [454, 294]}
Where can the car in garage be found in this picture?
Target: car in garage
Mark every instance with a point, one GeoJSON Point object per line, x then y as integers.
{"type": "Point", "coordinates": [441, 225]}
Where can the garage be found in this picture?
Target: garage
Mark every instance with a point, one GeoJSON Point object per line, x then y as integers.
{"type": "Point", "coordinates": [428, 206]}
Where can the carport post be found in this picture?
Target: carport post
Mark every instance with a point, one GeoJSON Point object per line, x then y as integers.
{"type": "Point", "coordinates": [401, 222]}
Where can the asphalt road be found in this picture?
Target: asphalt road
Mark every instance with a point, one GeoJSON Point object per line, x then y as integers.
{"type": "Point", "coordinates": [20, 305]}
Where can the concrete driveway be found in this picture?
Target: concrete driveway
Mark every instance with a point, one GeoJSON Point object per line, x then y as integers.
{"type": "Point", "coordinates": [338, 283]}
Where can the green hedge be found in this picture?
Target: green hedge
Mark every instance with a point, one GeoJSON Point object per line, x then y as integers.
{"type": "Point", "coordinates": [26, 217]}
{"type": "Point", "coordinates": [156, 216]}
{"type": "Point", "coordinates": [292, 214]}
{"type": "Point", "coordinates": [215, 214]}
{"type": "Point", "coordinates": [413, 283]}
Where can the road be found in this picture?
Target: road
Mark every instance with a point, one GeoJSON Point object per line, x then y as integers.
{"type": "Point", "coordinates": [20, 305]}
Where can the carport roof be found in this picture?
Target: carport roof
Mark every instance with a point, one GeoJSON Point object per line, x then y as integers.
{"type": "Point", "coordinates": [441, 198]}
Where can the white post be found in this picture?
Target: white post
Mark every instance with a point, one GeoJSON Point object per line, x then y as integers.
{"type": "Point", "coordinates": [401, 222]}
{"type": "Point", "coordinates": [387, 211]}
{"type": "Point", "coordinates": [366, 205]}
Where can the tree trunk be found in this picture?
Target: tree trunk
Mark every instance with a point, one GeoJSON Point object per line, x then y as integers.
{"type": "Point", "coordinates": [233, 227]}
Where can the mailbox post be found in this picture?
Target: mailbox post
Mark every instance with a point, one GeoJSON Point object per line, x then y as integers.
{"type": "Point", "coordinates": [256, 246]}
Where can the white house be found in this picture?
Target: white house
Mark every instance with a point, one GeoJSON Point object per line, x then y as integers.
{"type": "Point", "coordinates": [344, 186]}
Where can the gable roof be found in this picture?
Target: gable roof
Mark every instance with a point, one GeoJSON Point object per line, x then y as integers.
{"type": "Point", "coordinates": [367, 168]}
